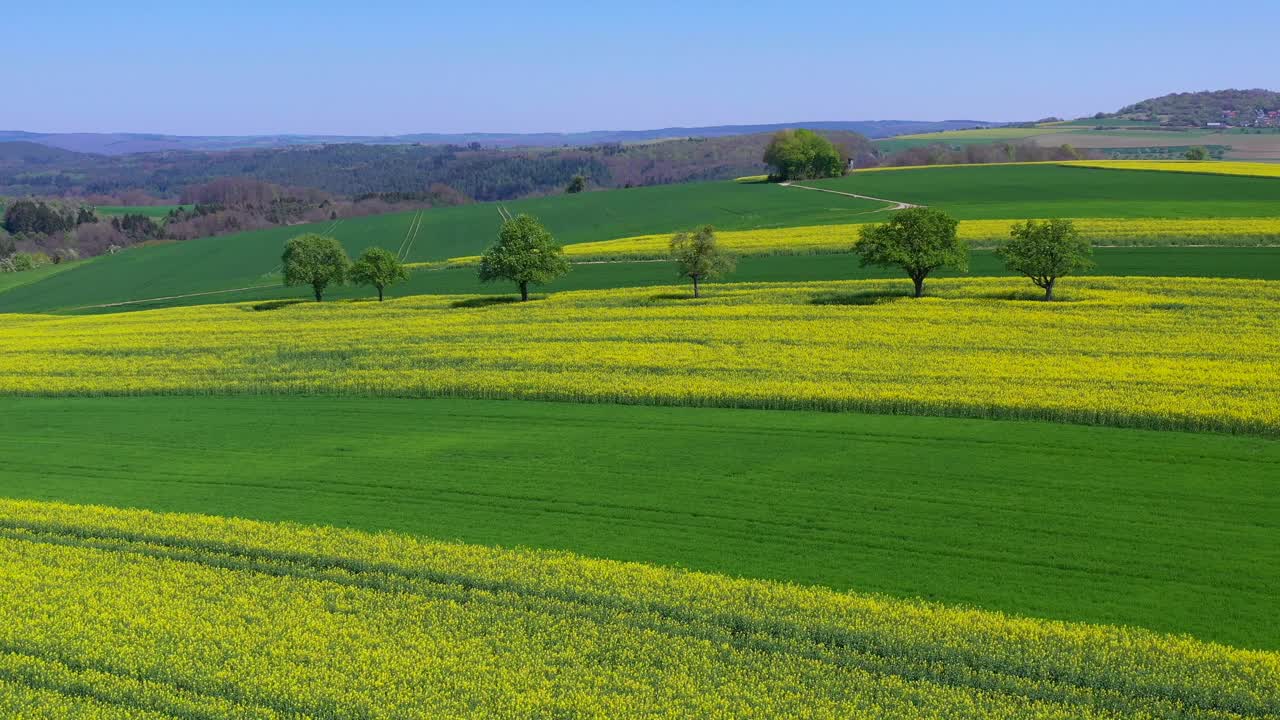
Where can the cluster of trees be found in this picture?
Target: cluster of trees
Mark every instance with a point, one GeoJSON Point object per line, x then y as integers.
{"type": "Point", "coordinates": [37, 232]}
{"type": "Point", "coordinates": [978, 154]}
{"type": "Point", "coordinates": [40, 217]}
{"type": "Point", "coordinates": [803, 155]}
{"type": "Point", "coordinates": [922, 240]}
{"type": "Point", "coordinates": [525, 254]}
{"type": "Point", "coordinates": [320, 261]}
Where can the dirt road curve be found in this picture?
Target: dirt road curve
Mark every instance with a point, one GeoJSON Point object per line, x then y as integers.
{"type": "Point", "coordinates": [897, 204]}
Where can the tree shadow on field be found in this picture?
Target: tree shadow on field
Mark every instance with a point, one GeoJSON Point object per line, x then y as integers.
{"type": "Point", "coordinates": [859, 298]}
{"type": "Point", "coordinates": [674, 296]}
{"type": "Point", "coordinates": [1032, 295]}
{"type": "Point", "coordinates": [488, 300]}
{"type": "Point", "coordinates": [275, 304]}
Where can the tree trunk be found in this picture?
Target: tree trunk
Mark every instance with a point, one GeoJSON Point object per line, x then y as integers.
{"type": "Point", "coordinates": [379, 293]}
{"type": "Point", "coordinates": [695, 287]}
{"type": "Point", "coordinates": [1048, 290]}
{"type": "Point", "coordinates": [319, 293]}
{"type": "Point", "coordinates": [919, 281]}
{"type": "Point", "coordinates": [524, 292]}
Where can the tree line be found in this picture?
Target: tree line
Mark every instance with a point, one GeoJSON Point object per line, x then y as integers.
{"type": "Point", "coordinates": [918, 241]}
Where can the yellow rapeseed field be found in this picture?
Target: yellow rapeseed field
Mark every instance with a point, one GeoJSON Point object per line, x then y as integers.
{"type": "Point", "coordinates": [131, 614]}
{"type": "Point", "coordinates": [1144, 352]}
{"type": "Point", "coordinates": [1208, 167]}
{"type": "Point", "coordinates": [980, 233]}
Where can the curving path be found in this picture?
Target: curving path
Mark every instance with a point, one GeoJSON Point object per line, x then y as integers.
{"type": "Point", "coordinates": [897, 204]}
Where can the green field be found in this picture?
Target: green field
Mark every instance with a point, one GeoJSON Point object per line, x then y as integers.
{"type": "Point", "coordinates": [1172, 531]}
{"type": "Point", "coordinates": [973, 192]}
{"type": "Point", "coordinates": [1259, 263]}
{"type": "Point", "coordinates": [152, 211]}
{"type": "Point", "coordinates": [253, 258]}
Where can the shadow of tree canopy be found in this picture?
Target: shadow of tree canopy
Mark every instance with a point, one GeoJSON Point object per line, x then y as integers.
{"type": "Point", "coordinates": [858, 298]}
{"type": "Point", "coordinates": [487, 300]}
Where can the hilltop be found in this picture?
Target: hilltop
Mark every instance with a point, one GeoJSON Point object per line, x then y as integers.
{"type": "Point", "coordinates": [1238, 108]}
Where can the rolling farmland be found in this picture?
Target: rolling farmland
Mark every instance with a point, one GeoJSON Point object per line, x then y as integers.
{"type": "Point", "coordinates": [1116, 206]}
{"type": "Point", "coordinates": [804, 494]}
{"type": "Point", "coordinates": [1110, 136]}
{"type": "Point", "coordinates": [386, 625]}
{"type": "Point", "coordinates": [843, 501]}
{"type": "Point", "coordinates": [975, 192]}
{"type": "Point", "coordinates": [759, 346]}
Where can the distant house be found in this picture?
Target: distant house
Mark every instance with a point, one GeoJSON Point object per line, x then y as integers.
{"type": "Point", "coordinates": [1217, 125]}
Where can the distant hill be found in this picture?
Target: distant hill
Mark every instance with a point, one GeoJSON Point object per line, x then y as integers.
{"type": "Point", "coordinates": [129, 143]}
{"type": "Point", "coordinates": [1201, 108]}
{"type": "Point", "coordinates": [21, 153]}
{"type": "Point", "coordinates": [354, 169]}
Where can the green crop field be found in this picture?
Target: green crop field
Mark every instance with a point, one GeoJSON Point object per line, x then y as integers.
{"type": "Point", "coordinates": [1172, 531]}
{"type": "Point", "coordinates": [253, 258]}
{"type": "Point", "coordinates": [152, 211]}
{"type": "Point", "coordinates": [249, 262]}
{"type": "Point", "coordinates": [1013, 191]}
{"type": "Point", "coordinates": [1260, 263]}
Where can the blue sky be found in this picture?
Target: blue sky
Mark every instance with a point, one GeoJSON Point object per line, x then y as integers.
{"type": "Point", "coordinates": [376, 66]}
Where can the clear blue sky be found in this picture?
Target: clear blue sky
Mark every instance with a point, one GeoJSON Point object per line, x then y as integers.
{"type": "Point", "coordinates": [379, 66]}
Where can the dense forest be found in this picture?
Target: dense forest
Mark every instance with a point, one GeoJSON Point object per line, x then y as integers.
{"type": "Point", "coordinates": [1200, 108]}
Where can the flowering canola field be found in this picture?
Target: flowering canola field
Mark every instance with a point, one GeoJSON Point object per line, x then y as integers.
{"type": "Point", "coordinates": [1143, 352]}
{"type": "Point", "coordinates": [980, 233]}
{"type": "Point", "coordinates": [1206, 167]}
{"type": "Point", "coordinates": [131, 614]}
{"type": "Point", "coordinates": [1250, 169]}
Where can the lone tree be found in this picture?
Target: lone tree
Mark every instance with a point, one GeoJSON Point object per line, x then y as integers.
{"type": "Point", "coordinates": [1046, 251]}
{"type": "Point", "coordinates": [379, 268]}
{"type": "Point", "coordinates": [315, 260]}
{"type": "Point", "coordinates": [1199, 152]}
{"type": "Point", "coordinates": [803, 155]}
{"type": "Point", "coordinates": [918, 240]}
{"type": "Point", "coordinates": [699, 257]}
{"type": "Point", "coordinates": [525, 253]}
{"type": "Point", "coordinates": [577, 184]}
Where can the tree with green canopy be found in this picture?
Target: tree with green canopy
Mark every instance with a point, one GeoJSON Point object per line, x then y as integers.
{"type": "Point", "coordinates": [315, 260]}
{"type": "Point", "coordinates": [803, 155]}
{"type": "Point", "coordinates": [699, 257]}
{"type": "Point", "coordinates": [378, 267]}
{"type": "Point", "coordinates": [1046, 251]}
{"type": "Point", "coordinates": [525, 254]}
{"type": "Point", "coordinates": [918, 240]}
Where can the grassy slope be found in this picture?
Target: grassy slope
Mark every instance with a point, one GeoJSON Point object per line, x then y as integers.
{"type": "Point", "coordinates": [1172, 531]}
{"type": "Point", "coordinates": [9, 281]}
{"type": "Point", "coordinates": [1259, 263]}
{"type": "Point", "coordinates": [1011, 191]}
{"type": "Point", "coordinates": [252, 258]}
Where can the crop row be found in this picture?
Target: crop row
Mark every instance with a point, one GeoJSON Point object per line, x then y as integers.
{"type": "Point", "coordinates": [1153, 352]}
{"type": "Point", "coordinates": [198, 617]}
